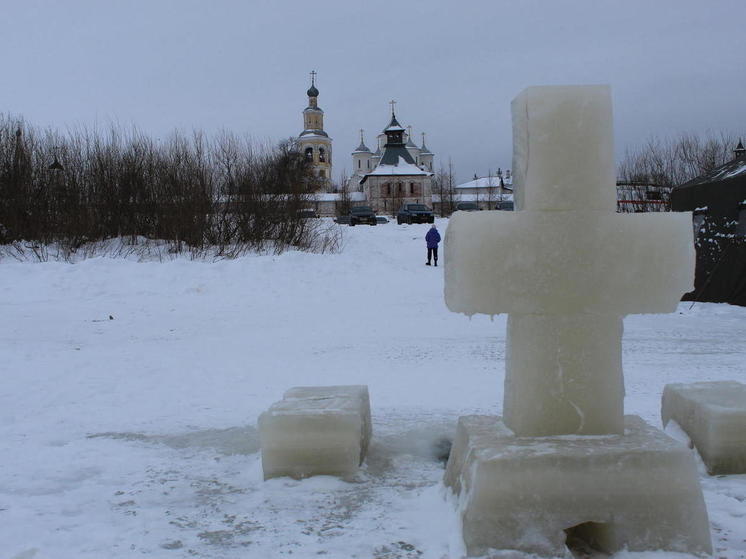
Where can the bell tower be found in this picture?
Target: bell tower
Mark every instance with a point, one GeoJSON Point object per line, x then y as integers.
{"type": "Point", "coordinates": [315, 144]}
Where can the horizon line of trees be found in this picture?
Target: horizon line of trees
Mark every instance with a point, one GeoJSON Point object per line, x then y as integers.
{"type": "Point", "coordinates": [224, 193]}
{"type": "Point", "coordinates": [675, 160]}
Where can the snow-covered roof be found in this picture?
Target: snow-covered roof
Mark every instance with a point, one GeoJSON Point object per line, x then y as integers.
{"type": "Point", "coordinates": [306, 134]}
{"type": "Point", "coordinates": [402, 167]}
{"type": "Point", "coordinates": [394, 126]}
{"type": "Point", "coordinates": [463, 197]}
{"type": "Point", "coordinates": [486, 182]}
{"type": "Point", "coordinates": [336, 196]}
{"type": "Point", "coordinates": [362, 148]}
{"type": "Point", "coordinates": [733, 168]}
{"type": "Point", "coordinates": [736, 170]}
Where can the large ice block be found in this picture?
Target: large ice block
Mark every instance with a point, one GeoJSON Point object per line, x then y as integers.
{"type": "Point", "coordinates": [638, 490]}
{"type": "Point", "coordinates": [570, 382]}
{"type": "Point", "coordinates": [316, 430]}
{"type": "Point", "coordinates": [567, 262]}
{"type": "Point", "coordinates": [713, 414]}
{"type": "Point", "coordinates": [563, 148]}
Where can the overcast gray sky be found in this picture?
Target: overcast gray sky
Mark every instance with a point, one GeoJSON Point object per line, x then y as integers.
{"type": "Point", "coordinates": [453, 66]}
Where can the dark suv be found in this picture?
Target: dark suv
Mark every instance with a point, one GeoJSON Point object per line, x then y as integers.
{"type": "Point", "coordinates": [362, 214]}
{"type": "Point", "coordinates": [415, 213]}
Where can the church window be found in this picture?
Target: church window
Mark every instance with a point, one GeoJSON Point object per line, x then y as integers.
{"type": "Point", "coordinates": [322, 155]}
{"type": "Point", "coordinates": [358, 163]}
{"type": "Point", "coordinates": [386, 189]}
{"type": "Point", "coordinates": [368, 163]}
{"type": "Point", "coordinates": [309, 154]}
{"type": "Point", "coordinates": [412, 188]}
{"type": "Point", "coordinates": [399, 188]}
{"type": "Point", "coordinates": [322, 173]}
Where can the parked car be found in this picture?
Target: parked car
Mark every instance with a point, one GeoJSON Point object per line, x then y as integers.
{"type": "Point", "coordinates": [467, 207]}
{"type": "Point", "coordinates": [342, 219]}
{"type": "Point", "coordinates": [306, 214]}
{"type": "Point", "coordinates": [415, 213]}
{"type": "Point", "coordinates": [362, 214]}
{"type": "Point", "coordinates": [381, 219]}
{"type": "Point", "coordinates": [506, 206]}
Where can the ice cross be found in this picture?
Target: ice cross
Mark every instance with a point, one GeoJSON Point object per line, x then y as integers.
{"type": "Point", "coordinates": [565, 266]}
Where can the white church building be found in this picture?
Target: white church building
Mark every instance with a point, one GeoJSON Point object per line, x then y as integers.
{"type": "Point", "coordinates": [398, 172]}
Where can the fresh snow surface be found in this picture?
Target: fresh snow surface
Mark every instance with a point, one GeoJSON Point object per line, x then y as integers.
{"type": "Point", "coordinates": [486, 182]}
{"type": "Point", "coordinates": [137, 436]}
{"type": "Point", "coordinates": [401, 168]}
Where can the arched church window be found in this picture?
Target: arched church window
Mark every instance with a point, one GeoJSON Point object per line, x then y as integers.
{"type": "Point", "coordinates": [322, 155]}
{"type": "Point", "coordinates": [322, 173]}
{"type": "Point", "coordinates": [358, 163]}
{"type": "Point", "coordinates": [367, 163]}
{"type": "Point", "coordinates": [309, 154]}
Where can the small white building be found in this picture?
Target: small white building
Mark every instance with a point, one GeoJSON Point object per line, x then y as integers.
{"type": "Point", "coordinates": [487, 192]}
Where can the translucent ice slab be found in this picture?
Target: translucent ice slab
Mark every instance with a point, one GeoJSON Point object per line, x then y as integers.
{"type": "Point", "coordinates": [713, 414]}
{"type": "Point", "coordinates": [563, 375]}
{"type": "Point", "coordinates": [563, 148]}
{"type": "Point", "coordinates": [567, 262]}
{"type": "Point", "coordinates": [638, 490]}
{"type": "Point", "coordinates": [316, 430]}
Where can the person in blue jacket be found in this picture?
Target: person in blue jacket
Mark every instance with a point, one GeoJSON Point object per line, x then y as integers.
{"type": "Point", "coordinates": [432, 239]}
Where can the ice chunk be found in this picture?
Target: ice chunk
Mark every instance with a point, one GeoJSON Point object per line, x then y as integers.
{"type": "Point", "coordinates": [563, 148]}
{"type": "Point", "coordinates": [316, 430]}
{"type": "Point", "coordinates": [713, 414]}
{"type": "Point", "coordinates": [563, 375]}
{"type": "Point", "coordinates": [567, 262]}
{"type": "Point", "coordinates": [638, 490]}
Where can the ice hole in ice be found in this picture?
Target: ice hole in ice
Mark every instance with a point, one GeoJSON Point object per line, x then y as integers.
{"type": "Point", "coordinates": [590, 539]}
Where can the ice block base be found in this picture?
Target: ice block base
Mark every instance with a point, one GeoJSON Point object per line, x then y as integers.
{"type": "Point", "coordinates": [637, 491]}
{"type": "Point", "coordinates": [713, 414]}
{"type": "Point", "coordinates": [316, 430]}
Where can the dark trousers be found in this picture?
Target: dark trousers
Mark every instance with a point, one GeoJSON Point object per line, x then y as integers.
{"type": "Point", "coordinates": [432, 252]}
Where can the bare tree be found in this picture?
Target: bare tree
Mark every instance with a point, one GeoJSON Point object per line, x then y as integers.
{"type": "Point", "coordinates": [446, 188]}
{"type": "Point", "coordinates": [673, 161]}
{"type": "Point", "coordinates": [224, 195]}
{"type": "Point", "coordinates": [343, 208]}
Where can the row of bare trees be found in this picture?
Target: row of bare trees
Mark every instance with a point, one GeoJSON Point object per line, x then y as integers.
{"type": "Point", "coordinates": [444, 186]}
{"type": "Point", "coordinates": [223, 194]}
{"type": "Point", "coordinates": [675, 160]}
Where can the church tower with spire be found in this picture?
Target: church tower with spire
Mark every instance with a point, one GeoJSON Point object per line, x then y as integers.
{"type": "Point", "coordinates": [315, 144]}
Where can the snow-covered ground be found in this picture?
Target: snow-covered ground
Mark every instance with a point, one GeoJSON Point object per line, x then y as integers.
{"type": "Point", "coordinates": [137, 435]}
